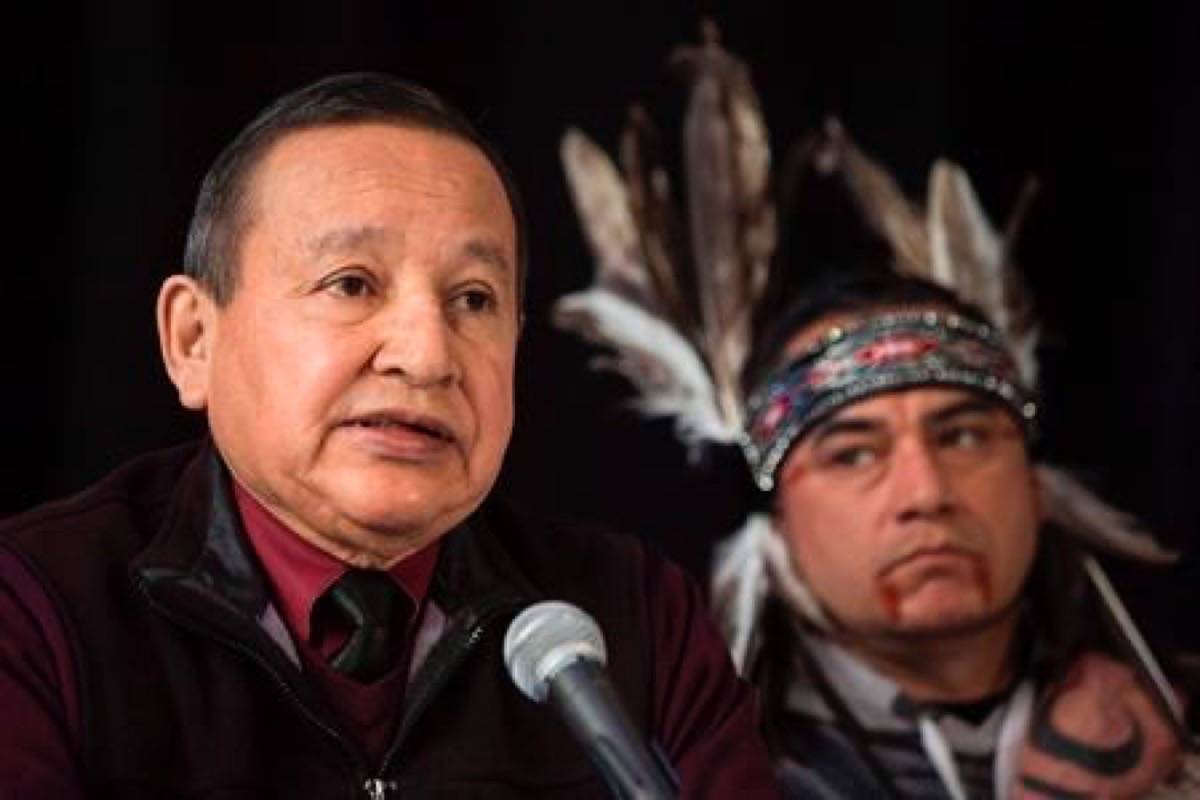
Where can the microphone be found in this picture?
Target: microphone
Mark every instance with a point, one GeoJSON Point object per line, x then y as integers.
{"type": "Point", "coordinates": [555, 652]}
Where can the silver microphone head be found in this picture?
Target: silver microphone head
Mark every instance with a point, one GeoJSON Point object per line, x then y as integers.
{"type": "Point", "coordinates": [546, 637]}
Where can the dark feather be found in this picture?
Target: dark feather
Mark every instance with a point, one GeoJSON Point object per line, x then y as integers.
{"type": "Point", "coordinates": [731, 218]}
{"type": "Point", "coordinates": [654, 213]}
{"type": "Point", "coordinates": [882, 202]}
{"type": "Point", "coordinates": [602, 204]}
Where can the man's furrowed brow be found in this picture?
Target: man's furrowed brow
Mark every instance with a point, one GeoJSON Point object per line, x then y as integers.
{"type": "Point", "coordinates": [844, 424]}
{"type": "Point", "coordinates": [341, 240]}
{"type": "Point", "coordinates": [971, 406]}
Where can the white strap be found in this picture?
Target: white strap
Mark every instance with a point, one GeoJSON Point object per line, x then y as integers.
{"type": "Point", "coordinates": [1012, 738]}
{"type": "Point", "coordinates": [941, 756]}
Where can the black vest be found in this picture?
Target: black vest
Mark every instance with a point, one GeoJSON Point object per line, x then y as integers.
{"type": "Point", "coordinates": [184, 695]}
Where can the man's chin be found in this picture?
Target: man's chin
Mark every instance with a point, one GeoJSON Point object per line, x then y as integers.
{"type": "Point", "coordinates": [384, 520]}
{"type": "Point", "coordinates": [945, 622]}
{"type": "Point", "coordinates": [376, 491]}
{"type": "Point", "coordinates": [418, 522]}
{"type": "Point", "coordinates": [947, 627]}
{"type": "Point", "coordinates": [375, 539]}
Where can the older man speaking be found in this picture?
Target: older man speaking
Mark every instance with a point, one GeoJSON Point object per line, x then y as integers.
{"type": "Point", "coordinates": [312, 603]}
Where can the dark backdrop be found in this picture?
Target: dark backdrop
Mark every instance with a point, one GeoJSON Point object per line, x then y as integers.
{"type": "Point", "coordinates": [117, 109]}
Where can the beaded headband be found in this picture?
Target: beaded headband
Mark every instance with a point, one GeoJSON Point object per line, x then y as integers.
{"type": "Point", "coordinates": [891, 351]}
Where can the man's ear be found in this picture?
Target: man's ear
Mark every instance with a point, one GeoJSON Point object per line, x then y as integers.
{"type": "Point", "coordinates": [187, 319]}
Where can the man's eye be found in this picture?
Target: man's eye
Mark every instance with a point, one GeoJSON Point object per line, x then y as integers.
{"type": "Point", "coordinates": [853, 457]}
{"type": "Point", "coordinates": [348, 285]}
{"type": "Point", "coordinates": [475, 300]}
{"type": "Point", "coordinates": [963, 438]}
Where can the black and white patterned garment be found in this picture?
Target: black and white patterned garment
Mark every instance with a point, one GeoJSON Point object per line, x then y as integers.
{"type": "Point", "coordinates": [834, 707]}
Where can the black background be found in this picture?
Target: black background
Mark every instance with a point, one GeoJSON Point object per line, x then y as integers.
{"type": "Point", "coordinates": [115, 111]}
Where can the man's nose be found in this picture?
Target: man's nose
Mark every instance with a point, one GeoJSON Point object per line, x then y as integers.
{"type": "Point", "coordinates": [415, 343]}
{"type": "Point", "coordinates": [920, 481]}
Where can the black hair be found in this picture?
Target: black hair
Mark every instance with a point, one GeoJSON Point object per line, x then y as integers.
{"type": "Point", "coordinates": [220, 216]}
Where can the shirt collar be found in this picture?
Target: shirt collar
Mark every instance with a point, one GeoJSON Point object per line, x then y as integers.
{"type": "Point", "coordinates": [300, 573]}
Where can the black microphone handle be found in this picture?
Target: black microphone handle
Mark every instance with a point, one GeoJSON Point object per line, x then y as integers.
{"type": "Point", "coordinates": [583, 694]}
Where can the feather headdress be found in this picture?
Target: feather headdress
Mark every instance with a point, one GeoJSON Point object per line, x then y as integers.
{"type": "Point", "coordinates": [675, 301]}
{"type": "Point", "coordinates": [674, 294]}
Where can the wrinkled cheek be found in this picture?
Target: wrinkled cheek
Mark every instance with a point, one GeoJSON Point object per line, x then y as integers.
{"type": "Point", "coordinates": [494, 419]}
{"type": "Point", "coordinates": [485, 463]}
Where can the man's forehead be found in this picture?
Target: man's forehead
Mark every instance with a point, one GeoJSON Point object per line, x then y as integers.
{"type": "Point", "coordinates": [338, 141]}
{"type": "Point", "coordinates": [359, 157]}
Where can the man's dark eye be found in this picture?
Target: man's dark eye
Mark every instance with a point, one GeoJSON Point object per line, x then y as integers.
{"type": "Point", "coordinates": [964, 438]}
{"type": "Point", "coordinates": [475, 300]}
{"type": "Point", "coordinates": [350, 285]}
{"type": "Point", "coordinates": [853, 457]}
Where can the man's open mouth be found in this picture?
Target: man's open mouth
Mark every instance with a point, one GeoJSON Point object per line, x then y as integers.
{"type": "Point", "coordinates": [422, 425]}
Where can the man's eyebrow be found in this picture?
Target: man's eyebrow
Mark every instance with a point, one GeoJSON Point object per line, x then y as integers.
{"type": "Point", "coordinates": [973, 405]}
{"type": "Point", "coordinates": [488, 252]}
{"type": "Point", "coordinates": [847, 424]}
{"type": "Point", "coordinates": [342, 239]}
